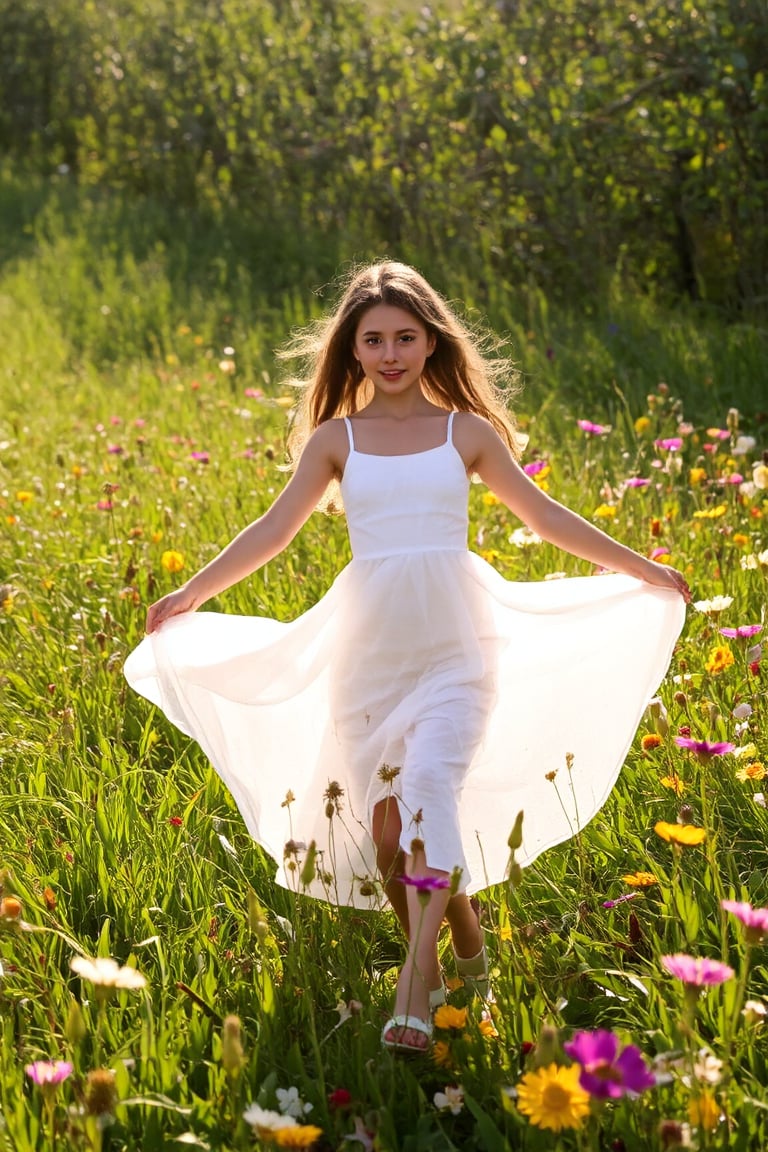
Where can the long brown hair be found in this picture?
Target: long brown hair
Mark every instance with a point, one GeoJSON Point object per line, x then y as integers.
{"type": "Point", "coordinates": [460, 374]}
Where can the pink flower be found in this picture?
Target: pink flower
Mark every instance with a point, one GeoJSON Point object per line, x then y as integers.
{"type": "Point", "coordinates": [703, 749]}
{"type": "Point", "coordinates": [534, 467]}
{"type": "Point", "coordinates": [755, 920]}
{"type": "Point", "coordinates": [426, 883]}
{"type": "Point", "coordinates": [671, 444]}
{"type": "Point", "coordinates": [104, 506]}
{"type": "Point", "coordinates": [734, 478]}
{"type": "Point", "coordinates": [661, 551]}
{"type": "Point", "coordinates": [593, 429]}
{"type": "Point", "coordinates": [48, 1072]}
{"type": "Point", "coordinates": [621, 899]}
{"type": "Point", "coordinates": [201, 457]}
{"type": "Point", "coordinates": [743, 632]}
{"type": "Point", "coordinates": [698, 972]}
{"type": "Point", "coordinates": [115, 449]}
{"type": "Point", "coordinates": [718, 433]}
{"type": "Point", "coordinates": [254, 393]}
{"type": "Point", "coordinates": [636, 482]}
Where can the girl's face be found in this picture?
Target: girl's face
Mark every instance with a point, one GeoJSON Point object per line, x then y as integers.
{"type": "Point", "coordinates": [392, 346]}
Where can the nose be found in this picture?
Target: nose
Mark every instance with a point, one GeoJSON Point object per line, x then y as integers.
{"type": "Point", "coordinates": [389, 352]}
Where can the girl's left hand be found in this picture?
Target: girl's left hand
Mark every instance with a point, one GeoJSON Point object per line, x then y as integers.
{"type": "Point", "coordinates": [662, 576]}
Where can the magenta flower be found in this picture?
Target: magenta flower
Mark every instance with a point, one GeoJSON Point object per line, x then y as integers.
{"type": "Point", "coordinates": [621, 899]}
{"type": "Point", "coordinates": [671, 444]}
{"type": "Point", "coordinates": [201, 457]}
{"type": "Point", "coordinates": [697, 972]}
{"type": "Point", "coordinates": [253, 393]}
{"type": "Point", "coordinates": [593, 429]}
{"type": "Point", "coordinates": [104, 506]}
{"type": "Point", "coordinates": [660, 551]}
{"type": "Point", "coordinates": [426, 883]}
{"type": "Point", "coordinates": [703, 749]}
{"type": "Point", "coordinates": [636, 482]}
{"type": "Point", "coordinates": [115, 449]}
{"type": "Point", "coordinates": [718, 433]}
{"type": "Point", "coordinates": [755, 920]}
{"type": "Point", "coordinates": [534, 467]}
{"type": "Point", "coordinates": [48, 1072]}
{"type": "Point", "coordinates": [607, 1072]}
{"type": "Point", "coordinates": [743, 632]}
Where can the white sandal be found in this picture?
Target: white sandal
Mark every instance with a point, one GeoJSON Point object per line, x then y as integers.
{"type": "Point", "coordinates": [400, 1023]}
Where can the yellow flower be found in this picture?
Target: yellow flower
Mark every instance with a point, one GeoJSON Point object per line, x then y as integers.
{"type": "Point", "coordinates": [172, 561]}
{"type": "Point", "coordinates": [551, 1097]}
{"type": "Point", "coordinates": [640, 879]}
{"type": "Point", "coordinates": [740, 540]}
{"type": "Point", "coordinates": [642, 424]}
{"type": "Point", "coordinates": [488, 1028]}
{"type": "Point", "coordinates": [704, 1112]}
{"type": "Point", "coordinates": [688, 834]}
{"type": "Point", "coordinates": [719, 659]}
{"type": "Point", "coordinates": [696, 475]}
{"type": "Point", "coordinates": [490, 555]}
{"type": "Point", "coordinates": [6, 602]}
{"type": "Point", "coordinates": [300, 1136]}
{"type": "Point", "coordinates": [77, 471]}
{"type": "Point", "coordinates": [650, 741]}
{"type": "Point", "coordinates": [674, 782]}
{"type": "Point", "coordinates": [541, 476]}
{"type": "Point", "coordinates": [25, 497]}
{"type": "Point", "coordinates": [490, 498]}
{"type": "Point", "coordinates": [754, 771]}
{"type": "Point", "coordinates": [157, 537]}
{"type": "Point", "coordinates": [711, 513]}
{"type": "Point", "coordinates": [446, 1016]}
{"type": "Point", "coordinates": [746, 752]}
{"type": "Point", "coordinates": [441, 1054]}
{"type": "Point", "coordinates": [605, 511]}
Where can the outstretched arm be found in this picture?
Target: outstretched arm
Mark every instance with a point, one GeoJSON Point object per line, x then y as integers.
{"type": "Point", "coordinates": [488, 456]}
{"type": "Point", "coordinates": [265, 537]}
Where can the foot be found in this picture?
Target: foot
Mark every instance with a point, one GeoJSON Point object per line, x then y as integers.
{"type": "Point", "coordinates": [406, 1033]}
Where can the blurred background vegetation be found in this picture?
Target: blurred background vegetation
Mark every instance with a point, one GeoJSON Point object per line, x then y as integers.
{"type": "Point", "coordinates": [557, 146]}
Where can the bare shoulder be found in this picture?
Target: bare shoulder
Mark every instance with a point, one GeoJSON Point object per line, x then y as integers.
{"type": "Point", "coordinates": [474, 436]}
{"type": "Point", "coordinates": [329, 442]}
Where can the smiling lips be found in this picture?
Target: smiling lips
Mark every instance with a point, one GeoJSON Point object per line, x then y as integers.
{"type": "Point", "coordinates": [393, 373]}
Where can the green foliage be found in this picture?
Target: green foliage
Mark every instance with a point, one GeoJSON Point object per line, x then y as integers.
{"type": "Point", "coordinates": [548, 144]}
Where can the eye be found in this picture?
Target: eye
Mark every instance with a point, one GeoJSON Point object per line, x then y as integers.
{"type": "Point", "coordinates": [407, 339]}
{"type": "Point", "coordinates": [372, 340]}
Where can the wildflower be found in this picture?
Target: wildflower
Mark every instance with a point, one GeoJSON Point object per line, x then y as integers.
{"type": "Point", "coordinates": [100, 1092]}
{"type": "Point", "coordinates": [707, 1068]}
{"type": "Point", "coordinates": [669, 444]}
{"type": "Point", "coordinates": [448, 1017]}
{"type": "Point", "coordinates": [606, 1071]}
{"type": "Point", "coordinates": [346, 1009]}
{"type": "Point", "coordinates": [227, 366]}
{"type": "Point", "coordinates": [687, 834]}
{"type": "Point", "coordinates": [703, 749]}
{"type": "Point", "coordinates": [593, 429]}
{"type": "Point", "coordinates": [640, 879]}
{"type": "Point", "coordinates": [489, 499]}
{"type": "Point", "coordinates": [201, 457]}
{"type": "Point", "coordinates": [441, 1054]}
{"type": "Point", "coordinates": [524, 538]}
{"type": "Point", "coordinates": [697, 972]}
{"type": "Point", "coordinates": [744, 445]}
{"type": "Point", "coordinates": [696, 475]}
{"type": "Point", "coordinates": [25, 497]}
{"type": "Point", "coordinates": [742, 711]}
{"type": "Point", "coordinates": [302, 1136]}
{"type": "Point", "coordinates": [754, 771]}
{"type": "Point", "coordinates": [10, 908]}
{"type": "Point", "coordinates": [487, 1028]}
{"type": "Point", "coordinates": [107, 974]}
{"type": "Point", "coordinates": [742, 632]}
{"type": "Point", "coordinates": [552, 1097]}
{"type": "Point", "coordinates": [426, 883]}
{"type": "Point", "coordinates": [339, 1098]}
{"type": "Point", "coordinates": [718, 433]}
{"type": "Point", "coordinates": [172, 561]}
{"type": "Point", "coordinates": [49, 1073]}
{"type": "Point", "coordinates": [711, 513]}
{"type": "Point", "coordinates": [361, 1135]}
{"type": "Point", "coordinates": [704, 1112]}
{"type": "Point", "coordinates": [714, 606]}
{"type": "Point", "coordinates": [754, 1011]}
{"type": "Point", "coordinates": [739, 539]}
{"type": "Point", "coordinates": [719, 659]}
{"type": "Point", "coordinates": [642, 424]}
{"type": "Point", "coordinates": [760, 800]}
{"type": "Point", "coordinates": [745, 752]}
{"type": "Point", "coordinates": [605, 511]}
{"type": "Point", "coordinates": [533, 469]}
{"type": "Point", "coordinates": [636, 482]}
{"type": "Point", "coordinates": [620, 899]}
{"type": "Point", "coordinates": [266, 1123]}
{"type": "Point", "coordinates": [290, 1103]}
{"type": "Point", "coordinates": [755, 920]}
{"type": "Point", "coordinates": [674, 783]}
{"type": "Point", "coordinates": [760, 475]}
{"type": "Point", "coordinates": [650, 741]}
{"type": "Point", "coordinates": [452, 1100]}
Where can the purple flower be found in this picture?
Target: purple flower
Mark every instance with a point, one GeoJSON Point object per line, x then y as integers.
{"type": "Point", "coordinates": [703, 749]}
{"type": "Point", "coordinates": [699, 972]}
{"type": "Point", "coordinates": [636, 482]}
{"type": "Point", "coordinates": [115, 449]}
{"type": "Point", "coordinates": [607, 1072]}
{"type": "Point", "coordinates": [426, 883]}
{"type": "Point", "coordinates": [48, 1072]}
{"type": "Point", "coordinates": [743, 632]}
{"type": "Point", "coordinates": [755, 920]}
{"type": "Point", "coordinates": [671, 444]}
{"type": "Point", "coordinates": [593, 429]}
{"type": "Point", "coordinates": [534, 467]}
{"type": "Point", "coordinates": [202, 457]}
{"type": "Point", "coordinates": [621, 899]}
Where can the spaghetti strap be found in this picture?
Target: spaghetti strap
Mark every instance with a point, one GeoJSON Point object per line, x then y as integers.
{"type": "Point", "coordinates": [348, 423]}
{"type": "Point", "coordinates": [449, 437]}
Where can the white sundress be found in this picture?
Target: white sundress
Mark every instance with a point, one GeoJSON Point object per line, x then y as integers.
{"type": "Point", "coordinates": [422, 675]}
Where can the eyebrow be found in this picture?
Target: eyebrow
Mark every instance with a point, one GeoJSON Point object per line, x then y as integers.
{"type": "Point", "coordinates": [400, 331]}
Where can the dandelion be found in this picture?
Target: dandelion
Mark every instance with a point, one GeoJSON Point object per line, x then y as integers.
{"type": "Point", "coordinates": [450, 1018]}
{"type": "Point", "coordinates": [452, 1100]}
{"type": "Point", "coordinates": [172, 561]}
{"type": "Point", "coordinates": [552, 1097]}
{"type": "Point", "coordinates": [697, 972]}
{"type": "Point", "coordinates": [106, 974]}
{"type": "Point", "coordinates": [25, 497]}
{"type": "Point", "coordinates": [755, 920]}
{"type": "Point", "coordinates": [719, 659]}
{"type": "Point", "coordinates": [608, 1071]}
{"type": "Point", "coordinates": [640, 879]}
{"type": "Point", "coordinates": [684, 834]}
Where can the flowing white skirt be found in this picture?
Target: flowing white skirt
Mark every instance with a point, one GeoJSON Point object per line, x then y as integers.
{"type": "Point", "coordinates": [424, 677]}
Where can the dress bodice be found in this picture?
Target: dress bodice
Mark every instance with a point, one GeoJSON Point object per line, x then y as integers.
{"type": "Point", "coordinates": [409, 503]}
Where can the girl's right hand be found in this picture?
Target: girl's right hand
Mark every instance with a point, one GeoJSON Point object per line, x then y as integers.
{"type": "Point", "coordinates": [174, 604]}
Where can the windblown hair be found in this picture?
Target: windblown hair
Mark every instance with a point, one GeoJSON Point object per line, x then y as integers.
{"type": "Point", "coordinates": [459, 375]}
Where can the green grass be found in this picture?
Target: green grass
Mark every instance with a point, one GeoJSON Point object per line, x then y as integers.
{"type": "Point", "coordinates": [118, 838]}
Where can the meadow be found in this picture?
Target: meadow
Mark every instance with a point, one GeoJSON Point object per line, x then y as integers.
{"type": "Point", "coordinates": [142, 422]}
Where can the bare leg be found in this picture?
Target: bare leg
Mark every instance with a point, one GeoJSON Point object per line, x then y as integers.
{"type": "Point", "coordinates": [465, 927]}
{"type": "Point", "coordinates": [390, 857]}
{"type": "Point", "coordinates": [421, 971]}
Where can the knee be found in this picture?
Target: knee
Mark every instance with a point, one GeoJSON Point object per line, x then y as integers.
{"type": "Point", "coordinates": [386, 836]}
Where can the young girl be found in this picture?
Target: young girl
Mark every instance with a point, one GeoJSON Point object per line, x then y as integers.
{"type": "Point", "coordinates": [400, 724]}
